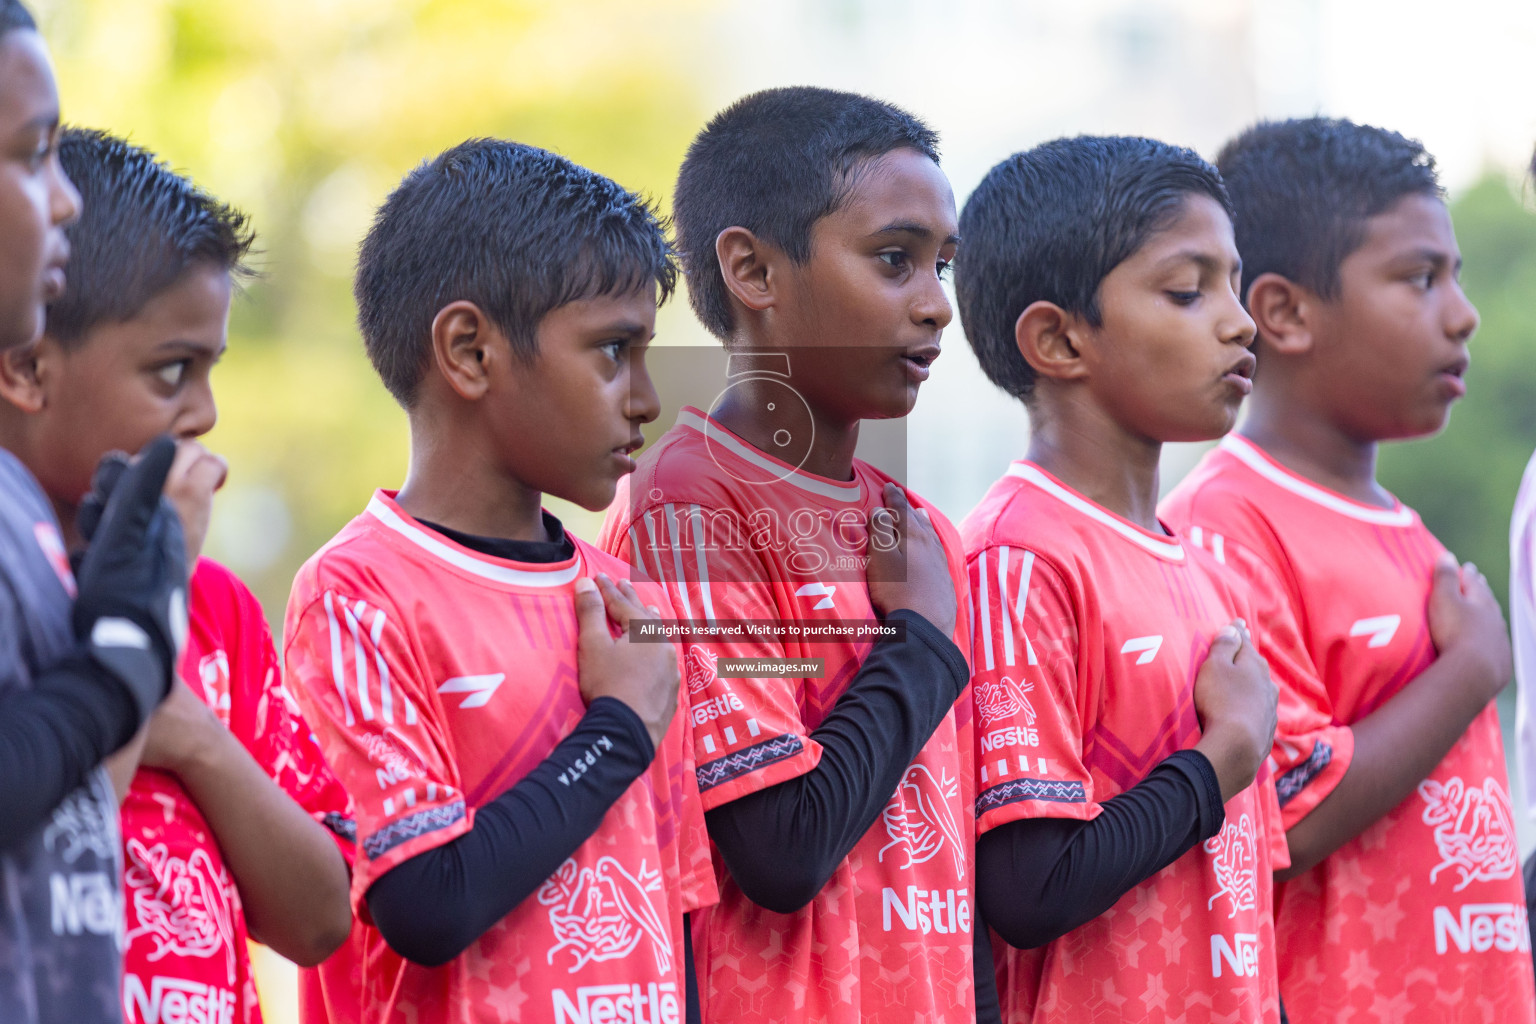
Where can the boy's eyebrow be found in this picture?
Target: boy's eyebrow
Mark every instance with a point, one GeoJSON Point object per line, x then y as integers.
{"type": "Point", "coordinates": [191, 347]}
{"type": "Point", "coordinates": [912, 227]}
{"type": "Point", "coordinates": [1204, 260]}
{"type": "Point", "coordinates": [624, 327]}
{"type": "Point", "coordinates": [1435, 257]}
{"type": "Point", "coordinates": [48, 119]}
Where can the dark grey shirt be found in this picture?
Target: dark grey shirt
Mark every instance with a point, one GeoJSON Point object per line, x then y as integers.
{"type": "Point", "coordinates": [60, 897]}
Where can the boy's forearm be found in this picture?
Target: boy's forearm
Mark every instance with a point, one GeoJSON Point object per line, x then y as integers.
{"type": "Point", "coordinates": [782, 844]}
{"type": "Point", "coordinates": [1396, 747]}
{"type": "Point", "coordinates": [433, 906]}
{"type": "Point", "coordinates": [292, 880]}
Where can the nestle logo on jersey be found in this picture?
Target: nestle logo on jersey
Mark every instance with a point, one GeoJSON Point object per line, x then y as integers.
{"type": "Point", "coordinates": [928, 910]}
{"type": "Point", "coordinates": [618, 1004]}
{"type": "Point", "coordinates": [176, 1001]}
{"type": "Point", "coordinates": [1014, 736]}
{"type": "Point", "coordinates": [716, 707]}
{"type": "Point", "coordinates": [1483, 926]}
{"type": "Point", "coordinates": [1242, 959]}
{"type": "Point", "coordinates": [84, 902]}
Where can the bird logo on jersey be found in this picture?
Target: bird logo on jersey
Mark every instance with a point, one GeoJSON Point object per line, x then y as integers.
{"type": "Point", "coordinates": [602, 913]}
{"type": "Point", "coordinates": [1004, 699]}
{"type": "Point", "coordinates": [919, 821]}
{"type": "Point", "coordinates": [700, 668]}
{"type": "Point", "coordinates": [1474, 829]}
{"type": "Point", "coordinates": [183, 906]}
{"type": "Point", "coordinates": [1235, 860]}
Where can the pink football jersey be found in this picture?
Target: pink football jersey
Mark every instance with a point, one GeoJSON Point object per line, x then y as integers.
{"type": "Point", "coordinates": [186, 937]}
{"type": "Point", "coordinates": [437, 677]}
{"type": "Point", "coordinates": [1422, 916]}
{"type": "Point", "coordinates": [1090, 631]}
{"type": "Point", "coordinates": [739, 536]}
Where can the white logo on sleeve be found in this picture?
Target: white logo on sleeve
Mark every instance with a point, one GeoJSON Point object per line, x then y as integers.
{"type": "Point", "coordinates": [820, 590]}
{"type": "Point", "coordinates": [918, 819]}
{"type": "Point", "coordinates": [699, 668]}
{"type": "Point", "coordinates": [1381, 629]}
{"type": "Point", "coordinates": [480, 689]}
{"type": "Point", "coordinates": [1474, 830]}
{"type": "Point", "coordinates": [1147, 645]}
{"type": "Point", "coordinates": [1004, 699]}
{"type": "Point", "coordinates": [603, 912]}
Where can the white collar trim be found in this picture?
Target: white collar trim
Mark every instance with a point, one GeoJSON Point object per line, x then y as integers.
{"type": "Point", "coordinates": [1169, 549]}
{"type": "Point", "coordinates": [459, 559]}
{"type": "Point", "coordinates": [1249, 454]}
{"type": "Point", "coordinates": [714, 433]}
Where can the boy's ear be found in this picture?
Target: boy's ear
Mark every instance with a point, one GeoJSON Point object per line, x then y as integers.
{"type": "Point", "coordinates": [1281, 310]}
{"type": "Point", "coordinates": [21, 377]}
{"type": "Point", "coordinates": [1047, 338]}
{"type": "Point", "coordinates": [465, 346]}
{"type": "Point", "coordinates": [747, 265]}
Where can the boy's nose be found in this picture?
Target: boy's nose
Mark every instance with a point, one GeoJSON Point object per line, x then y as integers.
{"type": "Point", "coordinates": [199, 415]}
{"type": "Point", "coordinates": [932, 306]}
{"type": "Point", "coordinates": [1461, 317]}
{"type": "Point", "coordinates": [642, 403]}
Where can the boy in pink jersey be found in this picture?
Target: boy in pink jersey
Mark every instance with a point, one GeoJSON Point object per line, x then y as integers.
{"type": "Point", "coordinates": [815, 226]}
{"type": "Point", "coordinates": [221, 827]}
{"type": "Point", "coordinates": [1405, 900]}
{"type": "Point", "coordinates": [529, 838]}
{"type": "Point", "coordinates": [1122, 716]}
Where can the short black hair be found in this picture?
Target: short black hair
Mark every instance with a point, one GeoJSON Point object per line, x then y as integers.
{"type": "Point", "coordinates": [142, 226]}
{"type": "Point", "coordinates": [775, 163]}
{"type": "Point", "coordinates": [1304, 189]}
{"type": "Point", "coordinates": [14, 16]}
{"type": "Point", "coordinates": [515, 229]}
{"type": "Point", "coordinates": [1050, 223]}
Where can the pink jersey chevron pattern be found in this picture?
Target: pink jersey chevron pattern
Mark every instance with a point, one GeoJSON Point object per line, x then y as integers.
{"type": "Point", "coordinates": [1422, 916]}
{"type": "Point", "coordinates": [1089, 633]}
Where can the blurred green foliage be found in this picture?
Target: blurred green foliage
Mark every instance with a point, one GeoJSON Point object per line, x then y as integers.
{"type": "Point", "coordinates": [305, 113]}
{"type": "Point", "coordinates": [1463, 481]}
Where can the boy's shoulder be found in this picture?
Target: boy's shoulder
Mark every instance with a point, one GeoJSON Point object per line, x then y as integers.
{"type": "Point", "coordinates": [357, 553]}
{"type": "Point", "coordinates": [700, 462]}
{"type": "Point", "coordinates": [1238, 492]}
{"type": "Point", "coordinates": [214, 586]}
{"type": "Point", "coordinates": [1029, 509]}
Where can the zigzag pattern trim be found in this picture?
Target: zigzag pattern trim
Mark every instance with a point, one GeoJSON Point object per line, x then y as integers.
{"type": "Point", "coordinates": [1015, 790]}
{"type": "Point", "coordinates": [1295, 780]}
{"type": "Point", "coordinates": [411, 826]}
{"type": "Point", "coordinates": [747, 759]}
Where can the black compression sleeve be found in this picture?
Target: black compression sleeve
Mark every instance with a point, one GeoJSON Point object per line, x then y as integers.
{"type": "Point", "coordinates": [988, 1009]}
{"type": "Point", "coordinates": [432, 907]}
{"type": "Point", "coordinates": [695, 1012]}
{"type": "Point", "coordinates": [781, 844]}
{"type": "Point", "coordinates": [1039, 878]}
{"type": "Point", "coordinates": [53, 735]}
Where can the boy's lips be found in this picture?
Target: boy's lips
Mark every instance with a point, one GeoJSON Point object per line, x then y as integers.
{"type": "Point", "coordinates": [54, 281]}
{"type": "Point", "coordinates": [918, 361]}
{"type": "Point", "coordinates": [1453, 377]}
{"type": "Point", "coordinates": [624, 452]}
{"type": "Point", "coordinates": [1240, 373]}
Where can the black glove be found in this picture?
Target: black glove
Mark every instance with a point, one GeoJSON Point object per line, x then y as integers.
{"type": "Point", "coordinates": [88, 516]}
{"type": "Point", "coordinates": [131, 612]}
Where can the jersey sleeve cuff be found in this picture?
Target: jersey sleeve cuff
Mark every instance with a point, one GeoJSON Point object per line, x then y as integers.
{"type": "Point", "coordinates": [1305, 784]}
{"type": "Point", "coordinates": [945, 648]}
{"type": "Point", "coordinates": [1196, 767]}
